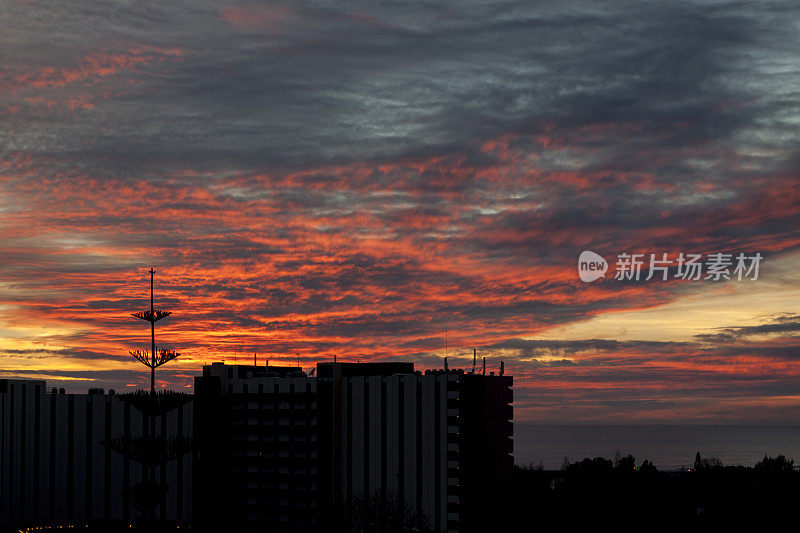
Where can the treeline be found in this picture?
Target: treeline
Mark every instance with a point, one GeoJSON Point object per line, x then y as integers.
{"type": "Point", "coordinates": [622, 492]}
{"type": "Point", "coordinates": [627, 463]}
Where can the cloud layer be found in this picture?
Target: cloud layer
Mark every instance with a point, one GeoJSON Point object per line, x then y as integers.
{"type": "Point", "coordinates": [357, 179]}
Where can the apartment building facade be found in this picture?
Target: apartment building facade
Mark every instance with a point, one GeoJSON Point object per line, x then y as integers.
{"type": "Point", "coordinates": [272, 449]}
{"type": "Point", "coordinates": [56, 467]}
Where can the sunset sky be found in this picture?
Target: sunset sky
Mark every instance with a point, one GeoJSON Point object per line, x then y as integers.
{"type": "Point", "coordinates": [365, 179]}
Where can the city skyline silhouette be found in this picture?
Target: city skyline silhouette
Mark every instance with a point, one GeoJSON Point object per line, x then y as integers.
{"type": "Point", "coordinates": [580, 219]}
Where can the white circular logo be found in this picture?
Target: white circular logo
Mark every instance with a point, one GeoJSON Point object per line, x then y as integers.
{"type": "Point", "coordinates": [591, 266]}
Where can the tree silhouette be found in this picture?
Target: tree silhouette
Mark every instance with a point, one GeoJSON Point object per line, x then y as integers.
{"type": "Point", "coordinates": [383, 513]}
{"type": "Point", "coordinates": [778, 464]}
{"type": "Point", "coordinates": [155, 358]}
{"type": "Point", "coordinates": [151, 450]}
{"type": "Point", "coordinates": [707, 465]}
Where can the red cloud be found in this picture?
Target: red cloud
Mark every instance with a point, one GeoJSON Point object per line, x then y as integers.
{"type": "Point", "coordinates": [87, 69]}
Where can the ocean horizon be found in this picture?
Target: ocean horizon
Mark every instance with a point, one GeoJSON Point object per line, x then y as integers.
{"type": "Point", "coordinates": [668, 446]}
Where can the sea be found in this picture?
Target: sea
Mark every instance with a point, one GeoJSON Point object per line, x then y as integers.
{"type": "Point", "coordinates": [668, 447]}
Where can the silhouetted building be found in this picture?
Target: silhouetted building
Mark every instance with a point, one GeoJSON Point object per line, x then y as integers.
{"type": "Point", "coordinates": [256, 449]}
{"type": "Point", "coordinates": [274, 449]}
{"type": "Point", "coordinates": [280, 451]}
{"type": "Point", "coordinates": [56, 469]}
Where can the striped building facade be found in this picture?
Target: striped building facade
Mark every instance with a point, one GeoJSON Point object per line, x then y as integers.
{"type": "Point", "coordinates": [421, 440]}
{"type": "Point", "coordinates": [56, 470]}
{"type": "Point", "coordinates": [273, 449]}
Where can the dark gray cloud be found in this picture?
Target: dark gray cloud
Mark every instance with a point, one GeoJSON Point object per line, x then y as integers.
{"type": "Point", "coordinates": [532, 347]}
{"type": "Point", "coordinates": [296, 83]}
{"type": "Point", "coordinates": [787, 324]}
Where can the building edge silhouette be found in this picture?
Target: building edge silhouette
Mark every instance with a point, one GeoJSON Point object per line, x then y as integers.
{"type": "Point", "coordinates": [273, 449]}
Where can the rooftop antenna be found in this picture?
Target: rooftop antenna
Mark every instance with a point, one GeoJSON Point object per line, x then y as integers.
{"type": "Point", "coordinates": [502, 368]}
{"type": "Point", "coordinates": [445, 363]}
{"type": "Point", "coordinates": [153, 359]}
{"type": "Point", "coordinates": [474, 359]}
{"type": "Point", "coordinates": [255, 360]}
{"type": "Point", "coordinates": [334, 358]}
{"type": "Point", "coordinates": [484, 365]}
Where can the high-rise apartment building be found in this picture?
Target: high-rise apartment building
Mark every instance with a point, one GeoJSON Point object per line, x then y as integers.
{"type": "Point", "coordinates": [356, 443]}
{"type": "Point", "coordinates": [273, 449]}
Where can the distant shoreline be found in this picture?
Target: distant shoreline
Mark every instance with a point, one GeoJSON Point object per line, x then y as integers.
{"type": "Point", "coordinates": [671, 447]}
{"type": "Point", "coordinates": [657, 424]}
